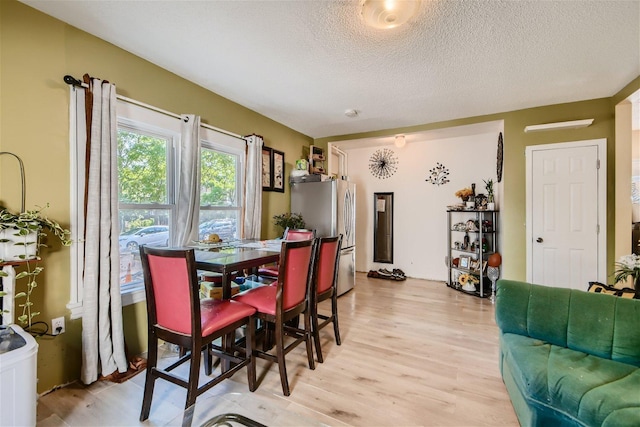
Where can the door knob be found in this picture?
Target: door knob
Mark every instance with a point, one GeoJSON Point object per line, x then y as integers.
{"type": "Point", "coordinates": [539, 240]}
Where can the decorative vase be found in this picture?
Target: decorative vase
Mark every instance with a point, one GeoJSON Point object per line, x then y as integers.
{"type": "Point", "coordinates": [491, 206]}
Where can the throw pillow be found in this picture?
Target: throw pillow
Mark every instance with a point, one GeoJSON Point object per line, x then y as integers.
{"type": "Point", "coordinates": [601, 288]}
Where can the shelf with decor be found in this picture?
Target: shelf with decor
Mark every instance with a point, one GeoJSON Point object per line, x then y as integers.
{"type": "Point", "coordinates": [472, 238]}
{"type": "Point", "coordinates": [316, 160]}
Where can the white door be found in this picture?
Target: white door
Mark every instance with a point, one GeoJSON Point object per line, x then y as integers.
{"type": "Point", "coordinates": [566, 209]}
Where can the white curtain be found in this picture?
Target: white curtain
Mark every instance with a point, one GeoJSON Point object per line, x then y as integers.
{"type": "Point", "coordinates": [185, 226]}
{"type": "Point", "coordinates": [102, 334]}
{"type": "Point", "coordinates": [253, 188]}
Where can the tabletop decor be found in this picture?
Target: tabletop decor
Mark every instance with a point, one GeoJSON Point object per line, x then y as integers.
{"type": "Point", "coordinates": [290, 220]}
{"type": "Point", "coordinates": [464, 193]}
{"type": "Point", "coordinates": [488, 185]}
{"type": "Point", "coordinates": [628, 266]}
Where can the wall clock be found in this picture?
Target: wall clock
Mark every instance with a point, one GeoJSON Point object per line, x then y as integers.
{"type": "Point", "coordinates": [383, 163]}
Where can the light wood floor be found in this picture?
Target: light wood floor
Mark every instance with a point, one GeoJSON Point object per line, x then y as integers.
{"type": "Point", "coordinates": [413, 353]}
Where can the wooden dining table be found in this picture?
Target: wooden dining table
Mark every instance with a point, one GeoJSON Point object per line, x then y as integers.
{"type": "Point", "coordinates": [228, 258]}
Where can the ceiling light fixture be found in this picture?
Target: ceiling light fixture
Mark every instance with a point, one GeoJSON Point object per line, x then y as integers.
{"type": "Point", "coordinates": [573, 124]}
{"type": "Point", "coordinates": [351, 113]}
{"type": "Point", "coordinates": [385, 14]}
{"type": "Point", "coordinates": [400, 141]}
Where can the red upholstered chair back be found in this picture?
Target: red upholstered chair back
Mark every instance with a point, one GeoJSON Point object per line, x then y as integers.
{"type": "Point", "coordinates": [172, 288]}
{"type": "Point", "coordinates": [299, 234]}
{"type": "Point", "coordinates": [326, 265]}
{"type": "Point", "coordinates": [294, 275]}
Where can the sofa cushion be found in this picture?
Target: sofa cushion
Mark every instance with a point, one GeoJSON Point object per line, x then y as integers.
{"type": "Point", "coordinates": [581, 327]}
{"type": "Point", "coordinates": [614, 404]}
{"type": "Point", "coordinates": [570, 381]}
{"type": "Point", "coordinates": [626, 335]}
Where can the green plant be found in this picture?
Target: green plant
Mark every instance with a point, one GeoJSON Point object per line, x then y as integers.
{"type": "Point", "coordinates": [23, 226]}
{"type": "Point", "coordinates": [291, 220]}
{"type": "Point", "coordinates": [488, 184]}
{"type": "Point", "coordinates": [627, 265]}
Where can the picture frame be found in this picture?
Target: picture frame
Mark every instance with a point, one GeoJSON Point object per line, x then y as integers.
{"type": "Point", "coordinates": [484, 267]}
{"type": "Point", "coordinates": [474, 265]}
{"type": "Point", "coordinates": [277, 171]}
{"type": "Point", "coordinates": [267, 177]}
{"type": "Point", "coordinates": [464, 262]}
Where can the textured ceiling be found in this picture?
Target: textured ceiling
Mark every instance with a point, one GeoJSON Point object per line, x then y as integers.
{"type": "Point", "coordinates": [303, 63]}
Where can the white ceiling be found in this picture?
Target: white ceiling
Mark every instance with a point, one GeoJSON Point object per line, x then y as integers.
{"type": "Point", "coordinates": [303, 63]}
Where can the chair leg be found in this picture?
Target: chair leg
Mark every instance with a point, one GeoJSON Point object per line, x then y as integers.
{"type": "Point", "coordinates": [308, 338]}
{"type": "Point", "coordinates": [208, 360]}
{"type": "Point", "coordinates": [280, 356]}
{"type": "Point", "coordinates": [316, 332]}
{"type": "Point", "coordinates": [250, 339]}
{"type": "Point", "coordinates": [194, 373]}
{"type": "Point", "coordinates": [334, 314]}
{"type": "Point", "coordinates": [150, 380]}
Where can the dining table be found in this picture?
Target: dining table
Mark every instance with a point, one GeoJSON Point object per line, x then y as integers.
{"type": "Point", "coordinates": [230, 257]}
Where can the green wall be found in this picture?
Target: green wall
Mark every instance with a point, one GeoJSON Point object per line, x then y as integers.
{"type": "Point", "coordinates": [36, 51]}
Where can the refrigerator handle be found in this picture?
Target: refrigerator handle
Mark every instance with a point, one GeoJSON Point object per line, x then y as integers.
{"type": "Point", "coordinates": [348, 215]}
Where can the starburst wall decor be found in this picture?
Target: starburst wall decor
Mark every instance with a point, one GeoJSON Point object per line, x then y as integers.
{"type": "Point", "coordinates": [438, 175]}
{"type": "Point", "coordinates": [383, 163]}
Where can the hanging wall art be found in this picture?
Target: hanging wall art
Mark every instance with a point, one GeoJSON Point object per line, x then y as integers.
{"type": "Point", "coordinates": [383, 163]}
{"type": "Point", "coordinates": [499, 158]}
{"type": "Point", "coordinates": [438, 175]}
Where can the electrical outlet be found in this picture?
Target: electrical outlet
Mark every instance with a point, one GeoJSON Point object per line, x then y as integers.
{"type": "Point", "coordinates": [57, 326]}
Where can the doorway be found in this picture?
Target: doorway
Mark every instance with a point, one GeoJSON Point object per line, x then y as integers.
{"type": "Point", "coordinates": [566, 213]}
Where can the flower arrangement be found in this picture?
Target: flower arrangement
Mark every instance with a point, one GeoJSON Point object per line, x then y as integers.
{"type": "Point", "coordinates": [464, 194]}
{"type": "Point", "coordinates": [465, 278]}
{"type": "Point", "coordinates": [627, 265]}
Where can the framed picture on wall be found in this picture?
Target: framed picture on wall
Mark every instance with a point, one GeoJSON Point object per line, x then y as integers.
{"type": "Point", "coordinates": [277, 171]}
{"type": "Point", "coordinates": [267, 180]}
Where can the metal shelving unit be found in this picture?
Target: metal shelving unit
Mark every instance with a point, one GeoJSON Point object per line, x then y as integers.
{"type": "Point", "coordinates": [472, 234]}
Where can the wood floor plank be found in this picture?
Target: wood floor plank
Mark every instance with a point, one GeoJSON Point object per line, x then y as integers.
{"type": "Point", "coordinates": [413, 353]}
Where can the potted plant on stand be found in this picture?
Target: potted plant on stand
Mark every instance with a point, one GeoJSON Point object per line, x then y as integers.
{"type": "Point", "coordinates": [21, 237]}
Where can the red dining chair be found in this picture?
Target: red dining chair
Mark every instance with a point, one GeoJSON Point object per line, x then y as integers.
{"type": "Point", "coordinates": [178, 316]}
{"type": "Point", "coordinates": [324, 286]}
{"type": "Point", "coordinates": [289, 298]}
{"type": "Point", "coordinates": [290, 234]}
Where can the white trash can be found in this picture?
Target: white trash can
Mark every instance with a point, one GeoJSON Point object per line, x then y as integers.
{"type": "Point", "coordinates": [18, 362]}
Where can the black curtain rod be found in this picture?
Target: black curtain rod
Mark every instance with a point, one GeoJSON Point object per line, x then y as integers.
{"type": "Point", "coordinates": [70, 80]}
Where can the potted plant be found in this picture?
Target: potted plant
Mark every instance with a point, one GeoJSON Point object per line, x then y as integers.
{"type": "Point", "coordinates": [21, 237]}
{"type": "Point", "coordinates": [290, 220]}
{"type": "Point", "coordinates": [488, 184]}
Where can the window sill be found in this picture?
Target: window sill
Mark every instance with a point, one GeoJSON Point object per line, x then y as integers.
{"type": "Point", "coordinates": [132, 296]}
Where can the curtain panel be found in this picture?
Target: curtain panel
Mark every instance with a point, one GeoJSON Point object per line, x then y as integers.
{"type": "Point", "coordinates": [185, 226]}
{"type": "Point", "coordinates": [253, 188]}
{"type": "Point", "coordinates": [103, 350]}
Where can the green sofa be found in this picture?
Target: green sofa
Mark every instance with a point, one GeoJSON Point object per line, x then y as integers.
{"type": "Point", "coordinates": [568, 357]}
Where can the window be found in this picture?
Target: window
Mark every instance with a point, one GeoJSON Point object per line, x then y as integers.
{"type": "Point", "coordinates": [220, 200]}
{"type": "Point", "coordinates": [145, 195]}
{"type": "Point", "coordinates": [147, 156]}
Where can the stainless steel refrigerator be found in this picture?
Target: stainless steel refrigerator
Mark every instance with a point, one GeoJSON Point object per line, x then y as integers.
{"type": "Point", "coordinates": [329, 207]}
